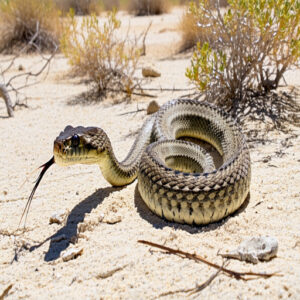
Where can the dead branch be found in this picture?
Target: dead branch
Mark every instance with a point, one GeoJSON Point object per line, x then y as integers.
{"type": "Point", "coordinates": [161, 89]}
{"type": "Point", "coordinates": [144, 39]}
{"type": "Point", "coordinates": [198, 288]}
{"type": "Point", "coordinates": [195, 257]}
{"type": "Point", "coordinates": [4, 94]}
{"type": "Point", "coordinates": [132, 112]}
{"type": "Point", "coordinates": [5, 292]}
{"type": "Point", "coordinates": [9, 86]}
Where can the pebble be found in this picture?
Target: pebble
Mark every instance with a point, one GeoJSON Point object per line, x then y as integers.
{"type": "Point", "coordinates": [113, 220]}
{"type": "Point", "coordinates": [150, 71]}
{"type": "Point", "coordinates": [71, 253]}
{"type": "Point", "coordinates": [58, 217]}
{"type": "Point", "coordinates": [152, 108]}
{"type": "Point", "coordinates": [255, 249]}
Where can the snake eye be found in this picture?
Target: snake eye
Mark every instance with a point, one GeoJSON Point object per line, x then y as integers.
{"type": "Point", "coordinates": [75, 140]}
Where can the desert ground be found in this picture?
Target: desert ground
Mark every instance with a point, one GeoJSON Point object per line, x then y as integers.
{"type": "Point", "coordinates": [105, 223]}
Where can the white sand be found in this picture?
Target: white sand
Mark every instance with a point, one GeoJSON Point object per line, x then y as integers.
{"type": "Point", "coordinates": [113, 265]}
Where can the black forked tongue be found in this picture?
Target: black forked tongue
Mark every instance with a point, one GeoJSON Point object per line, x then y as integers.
{"type": "Point", "coordinates": [44, 167]}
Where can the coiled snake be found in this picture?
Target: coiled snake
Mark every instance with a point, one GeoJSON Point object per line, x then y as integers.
{"type": "Point", "coordinates": [177, 179]}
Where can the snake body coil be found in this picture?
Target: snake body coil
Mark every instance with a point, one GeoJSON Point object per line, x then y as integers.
{"type": "Point", "coordinates": [176, 179]}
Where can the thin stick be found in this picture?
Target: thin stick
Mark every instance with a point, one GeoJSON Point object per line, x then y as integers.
{"type": "Point", "coordinates": [5, 292]}
{"type": "Point", "coordinates": [144, 38]}
{"type": "Point", "coordinates": [132, 112]}
{"type": "Point", "coordinates": [161, 89]}
{"type": "Point", "coordinates": [237, 275]}
{"type": "Point", "coordinates": [198, 287]}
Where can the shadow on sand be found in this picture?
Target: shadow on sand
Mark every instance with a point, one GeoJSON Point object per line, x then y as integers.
{"type": "Point", "coordinates": [75, 217]}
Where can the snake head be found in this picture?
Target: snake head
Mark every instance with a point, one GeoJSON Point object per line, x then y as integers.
{"type": "Point", "coordinates": [77, 145]}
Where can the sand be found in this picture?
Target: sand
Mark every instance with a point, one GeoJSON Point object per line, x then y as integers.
{"type": "Point", "coordinates": [112, 264]}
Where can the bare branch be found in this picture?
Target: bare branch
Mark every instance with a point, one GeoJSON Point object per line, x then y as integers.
{"type": "Point", "coordinates": [4, 94]}
{"type": "Point", "coordinates": [196, 257]}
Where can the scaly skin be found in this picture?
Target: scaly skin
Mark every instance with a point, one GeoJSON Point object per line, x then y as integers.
{"type": "Point", "coordinates": [195, 192]}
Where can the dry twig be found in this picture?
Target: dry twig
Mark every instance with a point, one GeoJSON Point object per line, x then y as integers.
{"type": "Point", "coordinates": [196, 257]}
{"type": "Point", "coordinates": [10, 86]}
{"type": "Point", "coordinates": [198, 288]}
{"type": "Point", "coordinates": [5, 292]}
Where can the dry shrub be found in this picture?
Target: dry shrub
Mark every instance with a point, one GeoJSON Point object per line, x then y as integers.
{"type": "Point", "coordinates": [34, 21]}
{"type": "Point", "coordinates": [222, 3]}
{"type": "Point", "coordinates": [148, 7]}
{"type": "Point", "coordinates": [111, 4]}
{"type": "Point", "coordinates": [254, 44]}
{"type": "Point", "coordinates": [80, 7]}
{"type": "Point", "coordinates": [95, 51]}
{"type": "Point", "coordinates": [190, 32]}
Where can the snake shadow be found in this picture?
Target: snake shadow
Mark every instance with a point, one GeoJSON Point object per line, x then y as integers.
{"type": "Point", "coordinates": [70, 228]}
{"type": "Point", "coordinates": [159, 223]}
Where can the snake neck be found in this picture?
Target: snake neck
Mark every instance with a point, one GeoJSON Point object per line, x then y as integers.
{"type": "Point", "coordinates": [114, 171]}
{"type": "Point", "coordinates": [124, 172]}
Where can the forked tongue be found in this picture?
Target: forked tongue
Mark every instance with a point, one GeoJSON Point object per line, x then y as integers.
{"type": "Point", "coordinates": [44, 167]}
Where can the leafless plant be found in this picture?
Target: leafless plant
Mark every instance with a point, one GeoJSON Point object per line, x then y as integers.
{"type": "Point", "coordinates": [13, 84]}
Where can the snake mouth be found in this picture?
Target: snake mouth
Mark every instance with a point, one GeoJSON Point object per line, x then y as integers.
{"type": "Point", "coordinates": [70, 156]}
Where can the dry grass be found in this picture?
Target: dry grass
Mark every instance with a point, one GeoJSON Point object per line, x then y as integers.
{"type": "Point", "coordinates": [95, 51]}
{"type": "Point", "coordinates": [191, 33]}
{"type": "Point", "coordinates": [148, 7]}
{"type": "Point", "coordinates": [34, 21]}
{"type": "Point", "coordinates": [80, 7]}
{"type": "Point", "coordinates": [111, 4]}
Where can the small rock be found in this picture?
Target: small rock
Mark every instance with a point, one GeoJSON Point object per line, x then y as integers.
{"type": "Point", "coordinates": [101, 217]}
{"type": "Point", "coordinates": [255, 249]}
{"type": "Point", "coordinates": [21, 68]}
{"type": "Point", "coordinates": [58, 217]}
{"type": "Point", "coordinates": [266, 159]}
{"type": "Point", "coordinates": [150, 71]}
{"type": "Point", "coordinates": [113, 220]}
{"type": "Point", "coordinates": [71, 254]}
{"type": "Point", "coordinates": [74, 239]}
{"type": "Point", "coordinates": [152, 108]}
{"type": "Point", "coordinates": [5, 192]}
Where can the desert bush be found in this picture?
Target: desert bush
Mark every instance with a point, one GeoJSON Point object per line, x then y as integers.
{"type": "Point", "coordinates": [222, 3]}
{"type": "Point", "coordinates": [24, 21]}
{"type": "Point", "coordinates": [111, 4]}
{"type": "Point", "coordinates": [148, 7]}
{"type": "Point", "coordinates": [254, 43]}
{"type": "Point", "coordinates": [190, 32]}
{"type": "Point", "coordinates": [95, 51]}
{"type": "Point", "coordinates": [80, 7]}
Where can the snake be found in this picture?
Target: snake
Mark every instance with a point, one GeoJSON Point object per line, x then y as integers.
{"type": "Point", "coordinates": [177, 179]}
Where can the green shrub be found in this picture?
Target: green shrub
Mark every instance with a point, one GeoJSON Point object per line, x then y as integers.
{"type": "Point", "coordinates": [96, 52]}
{"type": "Point", "coordinates": [35, 21]}
{"type": "Point", "coordinates": [254, 43]}
{"type": "Point", "coordinates": [148, 7]}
